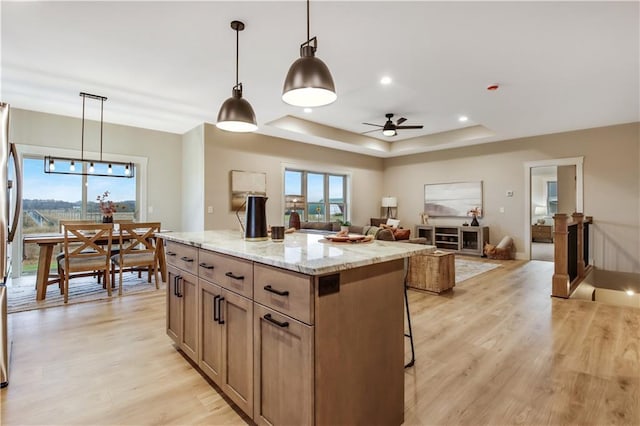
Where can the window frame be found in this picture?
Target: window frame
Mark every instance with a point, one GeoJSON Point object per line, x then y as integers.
{"type": "Point", "coordinates": [346, 194]}
{"type": "Point", "coordinates": [39, 152]}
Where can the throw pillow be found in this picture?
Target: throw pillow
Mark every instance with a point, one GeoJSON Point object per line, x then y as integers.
{"type": "Point", "coordinates": [401, 234]}
{"type": "Point", "coordinates": [393, 222]}
{"type": "Point", "coordinates": [385, 235]}
{"type": "Point", "coordinates": [372, 230]}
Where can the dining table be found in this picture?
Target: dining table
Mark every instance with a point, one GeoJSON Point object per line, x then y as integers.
{"type": "Point", "coordinates": [47, 242]}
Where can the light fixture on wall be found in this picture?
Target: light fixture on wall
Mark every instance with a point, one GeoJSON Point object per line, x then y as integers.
{"type": "Point", "coordinates": [236, 113]}
{"type": "Point", "coordinates": [309, 82]}
{"type": "Point", "coordinates": [389, 203]}
{"type": "Point", "coordinates": [87, 167]}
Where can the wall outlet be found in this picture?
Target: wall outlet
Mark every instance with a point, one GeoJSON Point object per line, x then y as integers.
{"type": "Point", "coordinates": [210, 209]}
{"type": "Point", "coordinates": [150, 209]}
{"type": "Point", "coordinates": [509, 193]}
{"type": "Point", "coordinates": [501, 209]}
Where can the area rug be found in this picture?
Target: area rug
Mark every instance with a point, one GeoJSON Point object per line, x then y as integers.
{"type": "Point", "coordinates": [466, 269]}
{"type": "Point", "coordinates": [21, 295]}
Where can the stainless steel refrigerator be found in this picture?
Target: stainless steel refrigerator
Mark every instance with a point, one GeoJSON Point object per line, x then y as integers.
{"type": "Point", "coordinates": [10, 202]}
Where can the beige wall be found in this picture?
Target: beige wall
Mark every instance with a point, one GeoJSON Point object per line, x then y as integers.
{"type": "Point", "coordinates": [567, 189]}
{"type": "Point", "coordinates": [193, 180]}
{"type": "Point", "coordinates": [611, 185]}
{"type": "Point", "coordinates": [252, 152]}
{"type": "Point", "coordinates": [162, 151]}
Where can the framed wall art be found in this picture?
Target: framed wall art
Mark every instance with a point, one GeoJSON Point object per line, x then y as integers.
{"type": "Point", "coordinates": [452, 199]}
{"type": "Point", "coordinates": [245, 183]}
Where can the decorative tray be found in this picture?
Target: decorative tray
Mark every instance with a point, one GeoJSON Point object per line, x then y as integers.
{"type": "Point", "coordinates": [347, 239]}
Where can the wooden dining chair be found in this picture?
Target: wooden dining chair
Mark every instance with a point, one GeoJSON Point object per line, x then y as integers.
{"type": "Point", "coordinates": [137, 250]}
{"type": "Point", "coordinates": [87, 248]}
{"type": "Point", "coordinates": [60, 256]}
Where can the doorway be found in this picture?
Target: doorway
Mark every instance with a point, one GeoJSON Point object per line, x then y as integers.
{"type": "Point", "coordinates": [552, 186]}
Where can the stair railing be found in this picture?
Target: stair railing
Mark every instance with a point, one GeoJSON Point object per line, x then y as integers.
{"type": "Point", "coordinates": [571, 252]}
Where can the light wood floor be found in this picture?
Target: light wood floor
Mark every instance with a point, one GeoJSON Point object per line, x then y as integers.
{"type": "Point", "coordinates": [495, 351]}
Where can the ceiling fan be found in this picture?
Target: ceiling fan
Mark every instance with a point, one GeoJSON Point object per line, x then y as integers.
{"type": "Point", "coordinates": [390, 128]}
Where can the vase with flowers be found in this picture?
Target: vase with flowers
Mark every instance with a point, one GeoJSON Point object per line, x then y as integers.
{"type": "Point", "coordinates": [474, 213]}
{"type": "Point", "coordinates": [107, 207]}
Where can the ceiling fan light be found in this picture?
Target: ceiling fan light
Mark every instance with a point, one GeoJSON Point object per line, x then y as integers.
{"type": "Point", "coordinates": [236, 114]}
{"type": "Point", "coordinates": [389, 132]}
{"type": "Point", "coordinates": [309, 82]}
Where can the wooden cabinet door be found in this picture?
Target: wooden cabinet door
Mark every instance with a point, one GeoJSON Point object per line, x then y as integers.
{"type": "Point", "coordinates": [210, 358]}
{"type": "Point", "coordinates": [174, 306]}
{"type": "Point", "coordinates": [237, 349]}
{"type": "Point", "coordinates": [188, 293]}
{"type": "Point", "coordinates": [283, 369]}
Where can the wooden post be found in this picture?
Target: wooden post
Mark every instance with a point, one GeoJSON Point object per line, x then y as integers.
{"type": "Point", "coordinates": [579, 219]}
{"type": "Point", "coordinates": [560, 281]}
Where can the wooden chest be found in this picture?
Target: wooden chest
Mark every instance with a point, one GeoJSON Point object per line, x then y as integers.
{"type": "Point", "coordinates": [434, 272]}
{"type": "Point", "coordinates": [542, 233]}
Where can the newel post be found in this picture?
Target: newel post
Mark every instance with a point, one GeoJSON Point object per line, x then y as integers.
{"type": "Point", "coordinates": [560, 282]}
{"type": "Point", "coordinates": [579, 219]}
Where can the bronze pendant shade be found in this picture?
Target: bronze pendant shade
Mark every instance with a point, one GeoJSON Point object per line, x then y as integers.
{"type": "Point", "coordinates": [236, 113]}
{"type": "Point", "coordinates": [309, 82]}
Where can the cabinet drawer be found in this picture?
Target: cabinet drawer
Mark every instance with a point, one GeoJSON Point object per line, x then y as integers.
{"type": "Point", "coordinates": [284, 291]}
{"type": "Point", "coordinates": [182, 256]}
{"type": "Point", "coordinates": [229, 272]}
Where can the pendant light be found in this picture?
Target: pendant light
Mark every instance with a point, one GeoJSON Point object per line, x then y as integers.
{"type": "Point", "coordinates": [87, 167]}
{"type": "Point", "coordinates": [309, 82]}
{"type": "Point", "coordinates": [236, 114]}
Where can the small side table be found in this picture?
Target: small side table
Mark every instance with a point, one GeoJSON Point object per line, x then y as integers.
{"type": "Point", "coordinates": [434, 272]}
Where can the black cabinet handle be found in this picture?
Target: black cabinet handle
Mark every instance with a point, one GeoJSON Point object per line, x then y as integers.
{"type": "Point", "coordinates": [220, 320]}
{"type": "Point", "coordinates": [276, 322]}
{"type": "Point", "coordinates": [175, 285]}
{"type": "Point", "coordinates": [235, 277]}
{"type": "Point", "coordinates": [170, 253]}
{"type": "Point", "coordinates": [216, 314]}
{"type": "Point", "coordinates": [278, 292]}
{"type": "Point", "coordinates": [178, 279]}
{"type": "Point", "coordinates": [206, 265]}
{"type": "Point", "coordinates": [187, 259]}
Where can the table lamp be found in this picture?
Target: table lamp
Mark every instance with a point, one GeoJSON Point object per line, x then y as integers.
{"type": "Point", "coordinates": [389, 203]}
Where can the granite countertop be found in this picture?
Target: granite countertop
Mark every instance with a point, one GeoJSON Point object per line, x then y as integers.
{"type": "Point", "coordinates": [301, 252]}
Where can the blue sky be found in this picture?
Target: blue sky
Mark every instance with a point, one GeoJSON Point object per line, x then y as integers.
{"type": "Point", "coordinates": [315, 185]}
{"type": "Point", "coordinates": [43, 186]}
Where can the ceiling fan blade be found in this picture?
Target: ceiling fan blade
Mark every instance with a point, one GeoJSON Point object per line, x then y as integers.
{"type": "Point", "coordinates": [371, 124]}
{"type": "Point", "coordinates": [409, 127]}
{"type": "Point", "coordinates": [400, 121]}
{"type": "Point", "coordinates": [370, 131]}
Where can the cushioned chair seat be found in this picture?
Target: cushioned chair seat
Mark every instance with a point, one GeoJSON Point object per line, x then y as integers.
{"type": "Point", "coordinates": [133, 259]}
{"type": "Point", "coordinates": [85, 263]}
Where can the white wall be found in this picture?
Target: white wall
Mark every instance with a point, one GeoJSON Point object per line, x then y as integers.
{"type": "Point", "coordinates": [162, 151]}
{"type": "Point", "coordinates": [611, 185]}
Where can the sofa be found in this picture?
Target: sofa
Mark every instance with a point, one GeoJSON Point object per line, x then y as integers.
{"type": "Point", "coordinates": [379, 232]}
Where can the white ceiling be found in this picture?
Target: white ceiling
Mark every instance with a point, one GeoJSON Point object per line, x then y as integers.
{"type": "Point", "coordinates": [169, 66]}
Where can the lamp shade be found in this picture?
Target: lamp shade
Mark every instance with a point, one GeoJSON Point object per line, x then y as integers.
{"type": "Point", "coordinates": [309, 82]}
{"type": "Point", "coordinates": [389, 202]}
{"type": "Point", "coordinates": [236, 114]}
{"type": "Point", "coordinates": [540, 211]}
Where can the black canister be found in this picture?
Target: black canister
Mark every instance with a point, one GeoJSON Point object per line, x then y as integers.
{"type": "Point", "coordinates": [256, 218]}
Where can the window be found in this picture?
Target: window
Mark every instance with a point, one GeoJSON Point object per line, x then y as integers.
{"type": "Point", "coordinates": [552, 198]}
{"type": "Point", "coordinates": [49, 198]}
{"type": "Point", "coordinates": [316, 197]}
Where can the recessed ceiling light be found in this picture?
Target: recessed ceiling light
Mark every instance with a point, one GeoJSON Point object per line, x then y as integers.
{"type": "Point", "coordinates": [463, 118]}
{"type": "Point", "coordinates": [308, 110]}
{"type": "Point", "coordinates": [385, 80]}
{"type": "Point", "coordinates": [630, 292]}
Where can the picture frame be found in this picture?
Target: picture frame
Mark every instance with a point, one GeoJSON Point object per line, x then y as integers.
{"type": "Point", "coordinates": [454, 199]}
{"type": "Point", "coordinates": [244, 183]}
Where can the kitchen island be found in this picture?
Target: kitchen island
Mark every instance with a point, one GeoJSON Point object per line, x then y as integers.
{"type": "Point", "coordinates": [302, 331]}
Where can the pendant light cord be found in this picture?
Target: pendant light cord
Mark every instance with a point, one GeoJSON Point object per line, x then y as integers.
{"type": "Point", "coordinates": [308, 32]}
{"type": "Point", "coordinates": [101, 124]}
{"type": "Point", "coordinates": [82, 138]}
{"type": "Point", "coordinates": [237, 53]}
